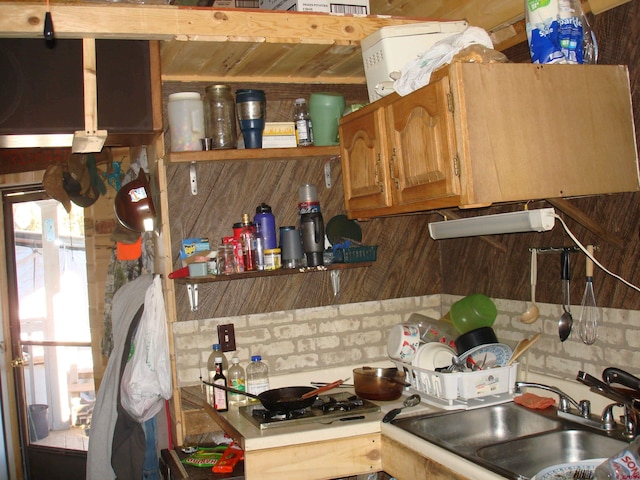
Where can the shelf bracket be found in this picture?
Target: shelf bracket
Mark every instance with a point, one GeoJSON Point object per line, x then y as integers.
{"type": "Point", "coordinates": [193, 179]}
{"type": "Point", "coordinates": [192, 291]}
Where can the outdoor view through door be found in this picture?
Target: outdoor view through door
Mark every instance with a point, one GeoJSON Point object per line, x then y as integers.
{"type": "Point", "coordinates": [50, 320]}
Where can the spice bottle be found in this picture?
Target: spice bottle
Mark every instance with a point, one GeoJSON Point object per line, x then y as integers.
{"type": "Point", "coordinates": [220, 396]}
{"type": "Point", "coordinates": [257, 376]}
{"type": "Point", "coordinates": [248, 242]}
{"type": "Point", "coordinates": [220, 117]}
{"type": "Point", "coordinates": [302, 119]}
{"type": "Point", "coordinates": [236, 379]}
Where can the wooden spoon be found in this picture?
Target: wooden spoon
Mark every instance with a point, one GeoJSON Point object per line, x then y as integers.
{"type": "Point", "coordinates": [324, 388]}
{"type": "Point", "coordinates": [523, 346]}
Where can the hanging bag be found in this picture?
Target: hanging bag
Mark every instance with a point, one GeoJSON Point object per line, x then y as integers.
{"type": "Point", "coordinates": [146, 381]}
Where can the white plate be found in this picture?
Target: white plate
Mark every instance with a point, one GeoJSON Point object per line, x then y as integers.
{"type": "Point", "coordinates": [498, 354]}
{"type": "Point", "coordinates": [566, 470]}
{"type": "Point", "coordinates": [432, 355]}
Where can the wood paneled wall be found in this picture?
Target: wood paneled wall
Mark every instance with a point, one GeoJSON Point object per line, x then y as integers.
{"type": "Point", "coordinates": [471, 265]}
{"type": "Point", "coordinates": [409, 262]}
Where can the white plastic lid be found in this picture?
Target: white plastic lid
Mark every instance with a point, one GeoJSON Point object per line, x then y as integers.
{"type": "Point", "coordinates": [185, 96]}
{"type": "Point", "coordinates": [235, 360]}
{"type": "Point", "coordinates": [300, 101]}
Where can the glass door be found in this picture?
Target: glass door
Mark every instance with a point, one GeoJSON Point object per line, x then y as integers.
{"type": "Point", "coordinates": [49, 317]}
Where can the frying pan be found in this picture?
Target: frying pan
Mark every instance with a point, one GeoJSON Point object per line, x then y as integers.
{"type": "Point", "coordinates": [284, 399]}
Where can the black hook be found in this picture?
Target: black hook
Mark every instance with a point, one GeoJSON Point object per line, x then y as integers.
{"type": "Point", "coordinates": [48, 28]}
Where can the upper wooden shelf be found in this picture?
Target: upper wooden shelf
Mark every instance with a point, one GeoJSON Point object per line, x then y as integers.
{"type": "Point", "coordinates": [207, 44]}
{"type": "Point", "coordinates": [254, 154]}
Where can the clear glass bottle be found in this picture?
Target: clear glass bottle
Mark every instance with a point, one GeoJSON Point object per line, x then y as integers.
{"type": "Point", "coordinates": [302, 119]}
{"type": "Point", "coordinates": [220, 117]}
{"type": "Point", "coordinates": [211, 362]}
{"type": "Point", "coordinates": [220, 396]}
{"type": "Point", "coordinates": [236, 379]}
{"type": "Point", "coordinates": [257, 376]}
{"type": "Point", "coordinates": [248, 241]}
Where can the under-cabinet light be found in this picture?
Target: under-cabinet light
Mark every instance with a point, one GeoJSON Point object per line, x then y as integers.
{"type": "Point", "coordinates": [540, 220]}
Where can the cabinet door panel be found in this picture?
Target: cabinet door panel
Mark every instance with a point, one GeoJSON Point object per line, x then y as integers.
{"type": "Point", "coordinates": [365, 177]}
{"type": "Point", "coordinates": [422, 147]}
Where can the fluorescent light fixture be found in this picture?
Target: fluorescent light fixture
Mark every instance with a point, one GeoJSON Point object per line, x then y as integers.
{"type": "Point", "coordinates": [540, 220]}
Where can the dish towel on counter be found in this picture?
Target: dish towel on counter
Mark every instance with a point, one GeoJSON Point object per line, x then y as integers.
{"type": "Point", "coordinates": [127, 309]}
{"type": "Point", "coordinates": [417, 73]}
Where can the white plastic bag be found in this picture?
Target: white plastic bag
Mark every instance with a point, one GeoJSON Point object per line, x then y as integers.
{"type": "Point", "coordinates": [146, 381]}
{"type": "Point", "coordinates": [417, 73]}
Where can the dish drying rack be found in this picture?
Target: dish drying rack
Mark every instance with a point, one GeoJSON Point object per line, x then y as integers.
{"type": "Point", "coordinates": [462, 390]}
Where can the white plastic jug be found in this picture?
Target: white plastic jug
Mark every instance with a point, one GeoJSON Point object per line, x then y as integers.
{"type": "Point", "coordinates": [186, 121]}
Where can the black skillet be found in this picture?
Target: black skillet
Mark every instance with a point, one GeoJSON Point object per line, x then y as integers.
{"type": "Point", "coordinates": [284, 399]}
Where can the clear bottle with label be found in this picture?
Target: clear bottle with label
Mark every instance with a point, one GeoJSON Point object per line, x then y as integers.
{"type": "Point", "coordinates": [257, 376]}
{"type": "Point", "coordinates": [220, 396]}
{"type": "Point", "coordinates": [237, 380]}
{"type": "Point", "coordinates": [302, 119]}
{"type": "Point", "coordinates": [248, 241]}
{"type": "Point", "coordinates": [211, 362]}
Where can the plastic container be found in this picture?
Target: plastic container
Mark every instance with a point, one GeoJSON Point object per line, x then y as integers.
{"type": "Point", "coordinates": [266, 226]}
{"type": "Point", "coordinates": [272, 259]}
{"type": "Point", "coordinates": [220, 117]}
{"type": "Point", "coordinates": [186, 121]}
{"type": "Point", "coordinates": [302, 119]}
{"type": "Point", "coordinates": [237, 380]}
{"type": "Point", "coordinates": [257, 377]}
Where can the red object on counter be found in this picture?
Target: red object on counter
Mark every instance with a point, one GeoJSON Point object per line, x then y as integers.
{"type": "Point", "coordinates": [231, 456]}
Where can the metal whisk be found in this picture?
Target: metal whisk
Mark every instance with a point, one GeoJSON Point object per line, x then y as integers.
{"type": "Point", "coordinates": [588, 323]}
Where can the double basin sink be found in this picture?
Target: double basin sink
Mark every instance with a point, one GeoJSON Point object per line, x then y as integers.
{"type": "Point", "coordinates": [511, 440]}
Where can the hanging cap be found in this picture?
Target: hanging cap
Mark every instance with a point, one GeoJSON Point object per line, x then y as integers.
{"type": "Point", "coordinates": [52, 182]}
{"type": "Point", "coordinates": [263, 208]}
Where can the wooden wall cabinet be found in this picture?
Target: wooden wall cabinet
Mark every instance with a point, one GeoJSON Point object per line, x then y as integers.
{"type": "Point", "coordinates": [488, 133]}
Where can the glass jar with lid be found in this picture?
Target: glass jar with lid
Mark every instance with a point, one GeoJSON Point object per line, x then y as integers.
{"type": "Point", "coordinates": [220, 117]}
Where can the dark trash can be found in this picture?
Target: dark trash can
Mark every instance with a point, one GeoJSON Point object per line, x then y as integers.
{"type": "Point", "coordinates": [39, 421]}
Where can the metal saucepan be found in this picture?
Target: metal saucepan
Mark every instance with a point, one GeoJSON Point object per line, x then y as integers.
{"type": "Point", "coordinates": [284, 399]}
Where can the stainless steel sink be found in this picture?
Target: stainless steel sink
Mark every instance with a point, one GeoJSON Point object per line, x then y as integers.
{"type": "Point", "coordinates": [511, 440]}
{"type": "Point", "coordinates": [527, 455]}
{"type": "Point", "coordinates": [466, 431]}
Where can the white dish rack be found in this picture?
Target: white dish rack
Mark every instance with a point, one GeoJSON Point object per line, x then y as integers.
{"type": "Point", "coordinates": [462, 390]}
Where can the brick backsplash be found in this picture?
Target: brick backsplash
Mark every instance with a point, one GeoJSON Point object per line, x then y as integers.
{"type": "Point", "coordinates": [317, 338]}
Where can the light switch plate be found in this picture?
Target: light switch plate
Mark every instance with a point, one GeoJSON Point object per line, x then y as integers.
{"type": "Point", "coordinates": [227, 337]}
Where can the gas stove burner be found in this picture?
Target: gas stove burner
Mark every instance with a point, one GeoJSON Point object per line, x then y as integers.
{"type": "Point", "coordinates": [347, 405]}
{"type": "Point", "coordinates": [269, 415]}
{"type": "Point", "coordinates": [333, 406]}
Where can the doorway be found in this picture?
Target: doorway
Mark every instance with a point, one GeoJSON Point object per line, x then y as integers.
{"type": "Point", "coordinates": [50, 332]}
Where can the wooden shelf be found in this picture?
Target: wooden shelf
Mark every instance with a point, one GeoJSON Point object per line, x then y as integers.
{"type": "Point", "coordinates": [253, 154]}
{"type": "Point", "coordinates": [270, 273]}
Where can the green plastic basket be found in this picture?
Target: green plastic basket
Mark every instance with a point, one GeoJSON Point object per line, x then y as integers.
{"type": "Point", "coordinates": [366, 253]}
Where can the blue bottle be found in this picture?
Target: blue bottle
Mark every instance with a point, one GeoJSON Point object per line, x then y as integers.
{"type": "Point", "coordinates": [266, 223]}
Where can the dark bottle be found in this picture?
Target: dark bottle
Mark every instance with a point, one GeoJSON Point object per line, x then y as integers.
{"type": "Point", "coordinates": [248, 242]}
{"type": "Point", "coordinates": [266, 223]}
{"type": "Point", "coordinates": [220, 396]}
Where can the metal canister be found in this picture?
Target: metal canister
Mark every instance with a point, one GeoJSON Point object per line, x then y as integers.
{"type": "Point", "coordinates": [220, 117]}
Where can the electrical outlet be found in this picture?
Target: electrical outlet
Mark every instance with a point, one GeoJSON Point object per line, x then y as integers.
{"type": "Point", "coordinates": [227, 337]}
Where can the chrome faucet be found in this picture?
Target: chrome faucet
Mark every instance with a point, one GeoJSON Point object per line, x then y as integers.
{"type": "Point", "coordinates": [583, 406]}
{"type": "Point", "coordinates": [631, 417]}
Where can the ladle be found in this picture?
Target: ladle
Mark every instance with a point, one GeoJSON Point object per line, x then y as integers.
{"type": "Point", "coordinates": [566, 320]}
{"type": "Point", "coordinates": [411, 401]}
{"type": "Point", "coordinates": [533, 312]}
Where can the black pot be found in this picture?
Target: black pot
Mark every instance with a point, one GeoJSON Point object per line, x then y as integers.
{"type": "Point", "coordinates": [474, 338]}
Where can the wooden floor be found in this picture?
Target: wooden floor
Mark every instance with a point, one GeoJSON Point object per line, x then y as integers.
{"type": "Point", "coordinates": [71, 439]}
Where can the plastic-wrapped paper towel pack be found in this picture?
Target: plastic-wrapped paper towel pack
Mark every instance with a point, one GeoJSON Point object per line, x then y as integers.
{"type": "Point", "coordinates": [417, 73]}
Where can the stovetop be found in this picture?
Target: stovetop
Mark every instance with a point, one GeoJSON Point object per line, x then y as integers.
{"type": "Point", "coordinates": [341, 406]}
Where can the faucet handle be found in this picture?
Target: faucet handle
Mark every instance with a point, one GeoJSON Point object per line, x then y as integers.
{"type": "Point", "coordinates": [620, 377]}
